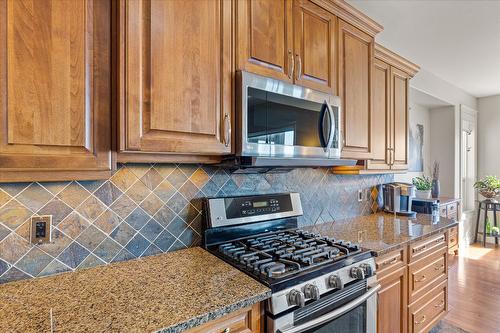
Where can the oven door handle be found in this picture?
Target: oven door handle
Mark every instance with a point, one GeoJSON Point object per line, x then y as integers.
{"type": "Point", "coordinates": [334, 314]}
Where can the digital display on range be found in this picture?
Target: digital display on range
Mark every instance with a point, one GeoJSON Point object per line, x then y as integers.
{"type": "Point", "coordinates": [258, 204]}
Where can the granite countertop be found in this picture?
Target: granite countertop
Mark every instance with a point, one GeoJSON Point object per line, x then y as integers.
{"type": "Point", "coordinates": [167, 293]}
{"type": "Point", "coordinates": [382, 232]}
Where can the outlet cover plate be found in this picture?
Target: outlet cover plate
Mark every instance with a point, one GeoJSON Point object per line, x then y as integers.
{"type": "Point", "coordinates": [40, 229]}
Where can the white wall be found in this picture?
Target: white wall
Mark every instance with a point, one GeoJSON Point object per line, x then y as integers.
{"type": "Point", "coordinates": [488, 136]}
{"type": "Point", "coordinates": [419, 115]}
{"type": "Point", "coordinates": [432, 85]}
{"type": "Point", "coordinates": [443, 138]}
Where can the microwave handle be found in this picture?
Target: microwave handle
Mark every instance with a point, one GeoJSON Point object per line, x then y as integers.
{"type": "Point", "coordinates": [332, 126]}
{"type": "Point", "coordinates": [333, 314]}
{"type": "Point", "coordinates": [322, 113]}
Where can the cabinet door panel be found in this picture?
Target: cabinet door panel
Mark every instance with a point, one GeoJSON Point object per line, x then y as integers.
{"type": "Point", "coordinates": [177, 95]}
{"type": "Point", "coordinates": [392, 302]}
{"type": "Point", "coordinates": [355, 66]}
{"type": "Point", "coordinates": [55, 89]}
{"type": "Point", "coordinates": [400, 83]}
{"type": "Point", "coordinates": [314, 45]}
{"type": "Point", "coordinates": [381, 134]}
{"type": "Point", "coordinates": [264, 37]}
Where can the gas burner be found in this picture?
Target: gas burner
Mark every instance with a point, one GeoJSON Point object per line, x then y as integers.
{"type": "Point", "coordinates": [281, 254]}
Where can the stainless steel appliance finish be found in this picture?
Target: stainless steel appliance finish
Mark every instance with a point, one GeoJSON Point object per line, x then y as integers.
{"type": "Point", "coordinates": [278, 123]}
{"type": "Point", "coordinates": [319, 284]}
{"type": "Point", "coordinates": [398, 198]}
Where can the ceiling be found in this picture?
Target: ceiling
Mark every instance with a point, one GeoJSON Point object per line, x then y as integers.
{"type": "Point", "coordinates": [457, 40]}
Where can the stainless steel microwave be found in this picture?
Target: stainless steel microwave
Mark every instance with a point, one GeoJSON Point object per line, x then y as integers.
{"type": "Point", "coordinates": [281, 124]}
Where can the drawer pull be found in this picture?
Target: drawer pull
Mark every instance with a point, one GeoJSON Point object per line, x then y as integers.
{"type": "Point", "coordinates": [421, 320]}
{"type": "Point", "coordinates": [440, 305]}
{"type": "Point", "coordinates": [227, 330]}
{"type": "Point", "coordinates": [422, 279]}
{"type": "Point", "coordinates": [418, 249]}
{"type": "Point", "coordinates": [438, 268]}
{"type": "Point", "coordinates": [390, 262]}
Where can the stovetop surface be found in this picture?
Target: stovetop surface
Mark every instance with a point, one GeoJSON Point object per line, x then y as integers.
{"type": "Point", "coordinates": [283, 258]}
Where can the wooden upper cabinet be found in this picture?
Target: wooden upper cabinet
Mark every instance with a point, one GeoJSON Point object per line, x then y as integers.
{"type": "Point", "coordinates": [399, 104]}
{"type": "Point", "coordinates": [381, 122]}
{"type": "Point", "coordinates": [55, 89]}
{"type": "Point", "coordinates": [175, 73]}
{"type": "Point", "coordinates": [355, 84]}
{"type": "Point", "coordinates": [314, 45]}
{"type": "Point", "coordinates": [264, 37]}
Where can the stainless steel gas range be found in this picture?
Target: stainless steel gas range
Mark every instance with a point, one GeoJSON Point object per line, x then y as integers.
{"type": "Point", "coordinates": [318, 284]}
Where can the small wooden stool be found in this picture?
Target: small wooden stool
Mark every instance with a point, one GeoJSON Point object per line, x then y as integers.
{"type": "Point", "coordinates": [487, 205]}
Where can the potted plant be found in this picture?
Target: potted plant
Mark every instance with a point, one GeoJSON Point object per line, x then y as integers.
{"type": "Point", "coordinates": [488, 187]}
{"type": "Point", "coordinates": [423, 185]}
{"type": "Point", "coordinates": [436, 188]}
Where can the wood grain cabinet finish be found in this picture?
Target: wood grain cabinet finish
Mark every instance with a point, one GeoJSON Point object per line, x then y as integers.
{"type": "Point", "coordinates": [247, 320]}
{"type": "Point", "coordinates": [392, 275]}
{"type": "Point", "coordinates": [314, 46]}
{"type": "Point", "coordinates": [264, 38]}
{"type": "Point", "coordinates": [55, 89]}
{"type": "Point", "coordinates": [175, 77]}
{"type": "Point", "coordinates": [355, 85]}
{"type": "Point", "coordinates": [391, 77]}
{"type": "Point", "coordinates": [290, 40]}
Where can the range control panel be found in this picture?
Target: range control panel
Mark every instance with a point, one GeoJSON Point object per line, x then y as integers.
{"type": "Point", "coordinates": [261, 205]}
{"type": "Point", "coordinates": [228, 211]}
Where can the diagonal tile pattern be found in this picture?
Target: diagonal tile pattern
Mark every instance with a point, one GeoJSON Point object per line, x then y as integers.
{"type": "Point", "coordinates": [146, 209]}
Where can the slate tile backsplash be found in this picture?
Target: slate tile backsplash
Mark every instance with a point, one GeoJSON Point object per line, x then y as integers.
{"type": "Point", "coordinates": [147, 209]}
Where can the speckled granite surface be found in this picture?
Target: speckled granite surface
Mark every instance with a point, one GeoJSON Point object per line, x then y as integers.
{"type": "Point", "coordinates": [167, 293]}
{"type": "Point", "coordinates": [382, 232]}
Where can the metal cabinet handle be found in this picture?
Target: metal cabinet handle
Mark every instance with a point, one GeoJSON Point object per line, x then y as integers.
{"type": "Point", "coordinates": [390, 261]}
{"type": "Point", "coordinates": [440, 305]}
{"type": "Point", "coordinates": [422, 279]}
{"type": "Point", "coordinates": [421, 321]}
{"type": "Point", "coordinates": [440, 267]}
{"type": "Point", "coordinates": [291, 64]}
{"type": "Point", "coordinates": [299, 66]}
{"type": "Point", "coordinates": [420, 248]}
{"type": "Point", "coordinates": [227, 130]}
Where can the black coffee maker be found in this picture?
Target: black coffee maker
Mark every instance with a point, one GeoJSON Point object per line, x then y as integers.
{"type": "Point", "coordinates": [398, 198]}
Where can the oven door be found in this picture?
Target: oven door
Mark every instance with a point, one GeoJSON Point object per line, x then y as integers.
{"type": "Point", "coordinates": [282, 120]}
{"type": "Point", "coordinates": [357, 316]}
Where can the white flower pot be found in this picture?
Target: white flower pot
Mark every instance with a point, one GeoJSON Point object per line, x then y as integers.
{"type": "Point", "coordinates": [420, 194]}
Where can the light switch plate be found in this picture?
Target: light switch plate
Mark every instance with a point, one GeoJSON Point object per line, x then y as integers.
{"type": "Point", "coordinates": [40, 229]}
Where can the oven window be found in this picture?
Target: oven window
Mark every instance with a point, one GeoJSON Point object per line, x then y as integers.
{"type": "Point", "coordinates": [353, 321]}
{"type": "Point", "coordinates": [282, 120]}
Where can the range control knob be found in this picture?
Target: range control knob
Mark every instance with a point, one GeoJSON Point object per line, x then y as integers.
{"type": "Point", "coordinates": [311, 291]}
{"type": "Point", "coordinates": [367, 269]}
{"type": "Point", "coordinates": [334, 281]}
{"type": "Point", "coordinates": [296, 297]}
{"type": "Point", "coordinates": [357, 273]}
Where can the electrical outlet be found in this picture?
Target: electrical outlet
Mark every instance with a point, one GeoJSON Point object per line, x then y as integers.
{"type": "Point", "coordinates": [360, 195]}
{"type": "Point", "coordinates": [41, 227]}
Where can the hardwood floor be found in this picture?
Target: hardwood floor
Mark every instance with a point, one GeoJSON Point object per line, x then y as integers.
{"type": "Point", "coordinates": [474, 290]}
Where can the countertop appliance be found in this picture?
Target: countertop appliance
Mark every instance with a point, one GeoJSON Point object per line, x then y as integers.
{"type": "Point", "coordinates": [318, 284]}
{"type": "Point", "coordinates": [398, 198]}
{"type": "Point", "coordinates": [281, 125]}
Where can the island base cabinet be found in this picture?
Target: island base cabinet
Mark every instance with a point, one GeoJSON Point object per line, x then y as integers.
{"type": "Point", "coordinates": [247, 320]}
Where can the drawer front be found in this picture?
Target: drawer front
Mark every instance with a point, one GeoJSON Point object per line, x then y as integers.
{"type": "Point", "coordinates": [427, 273]}
{"type": "Point", "coordinates": [426, 312]}
{"type": "Point", "coordinates": [453, 237]}
{"type": "Point", "coordinates": [390, 262]}
{"type": "Point", "coordinates": [452, 211]}
{"type": "Point", "coordinates": [247, 320]}
{"type": "Point", "coordinates": [443, 212]}
{"type": "Point", "coordinates": [426, 246]}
